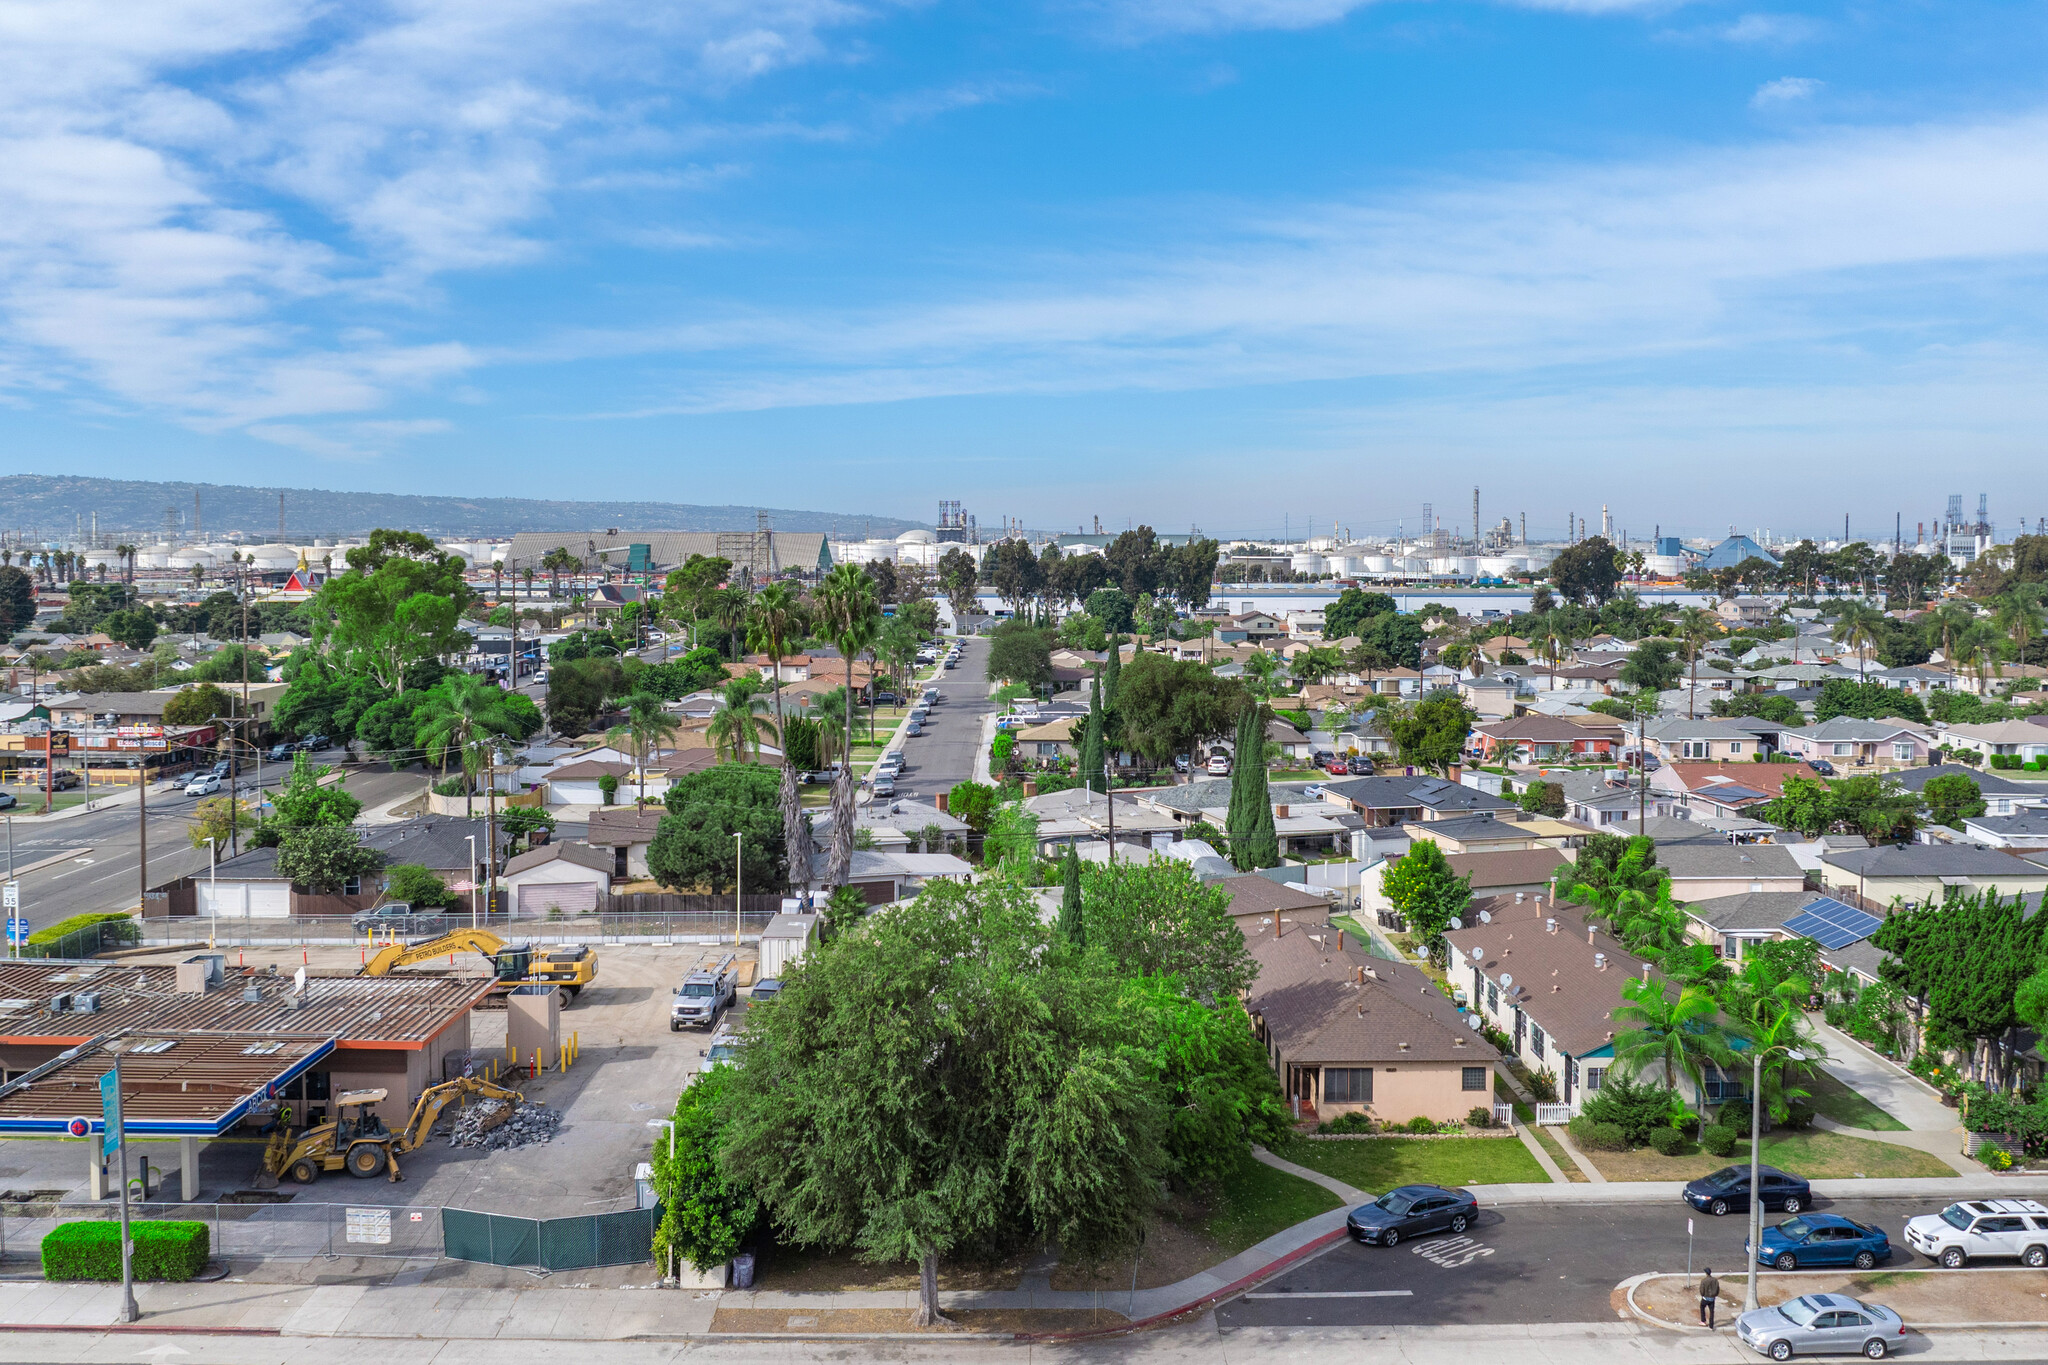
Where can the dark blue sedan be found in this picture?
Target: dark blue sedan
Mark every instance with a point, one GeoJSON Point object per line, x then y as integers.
{"type": "Point", "coordinates": [1727, 1191]}
{"type": "Point", "coordinates": [1823, 1239]}
{"type": "Point", "coordinates": [1411, 1211]}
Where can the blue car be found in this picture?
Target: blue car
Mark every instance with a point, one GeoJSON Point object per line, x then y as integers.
{"type": "Point", "coordinates": [1823, 1239]}
{"type": "Point", "coordinates": [1410, 1211]}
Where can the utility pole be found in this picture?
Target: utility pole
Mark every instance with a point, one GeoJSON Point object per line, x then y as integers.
{"type": "Point", "coordinates": [142, 831]}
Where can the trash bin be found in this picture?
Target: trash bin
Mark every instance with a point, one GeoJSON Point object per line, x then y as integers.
{"type": "Point", "coordinates": [743, 1270]}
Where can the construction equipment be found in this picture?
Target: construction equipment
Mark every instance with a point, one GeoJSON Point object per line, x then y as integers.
{"type": "Point", "coordinates": [571, 966]}
{"type": "Point", "coordinates": [357, 1140]}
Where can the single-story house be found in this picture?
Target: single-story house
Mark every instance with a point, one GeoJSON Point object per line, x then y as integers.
{"type": "Point", "coordinates": [1482, 833]}
{"type": "Point", "coordinates": [1409, 799]}
{"type": "Point", "coordinates": [1055, 739]}
{"type": "Point", "coordinates": [578, 784]}
{"type": "Point", "coordinates": [1701, 870]}
{"type": "Point", "coordinates": [625, 831]}
{"type": "Point", "coordinates": [2002, 795]}
{"type": "Point", "coordinates": [1921, 680]}
{"type": "Point", "coordinates": [1525, 871]}
{"type": "Point", "coordinates": [1601, 799]}
{"type": "Point", "coordinates": [1848, 742]}
{"type": "Point", "coordinates": [1734, 924]}
{"type": "Point", "coordinates": [250, 886]}
{"type": "Point", "coordinates": [1349, 1033]}
{"type": "Point", "coordinates": [1915, 873]}
{"type": "Point", "coordinates": [567, 878]}
{"type": "Point", "coordinates": [2028, 829]}
{"type": "Point", "coordinates": [2003, 738]}
{"type": "Point", "coordinates": [1255, 898]}
{"type": "Point", "coordinates": [904, 827]}
{"type": "Point", "coordinates": [1709, 741]}
{"type": "Point", "coordinates": [885, 878]}
{"type": "Point", "coordinates": [1533, 739]}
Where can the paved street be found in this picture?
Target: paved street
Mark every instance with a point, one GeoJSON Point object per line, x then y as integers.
{"type": "Point", "coordinates": [105, 877]}
{"type": "Point", "coordinates": [943, 755]}
{"type": "Point", "coordinates": [1526, 1264]}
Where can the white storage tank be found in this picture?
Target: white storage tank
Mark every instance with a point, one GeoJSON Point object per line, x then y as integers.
{"type": "Point", "coordinates": [1379, 563]}
{"type": "Point", "coordinates": [1306, 562]}
{"type": "Point", "coordinates": [1498, 566]}
{"type": "Point", "coordinates": [193, 558]}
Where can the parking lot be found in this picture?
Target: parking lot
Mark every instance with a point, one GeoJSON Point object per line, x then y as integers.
{"type": "Point", "coordinates": [629, 1071]}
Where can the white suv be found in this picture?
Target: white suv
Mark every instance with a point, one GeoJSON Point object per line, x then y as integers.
{"type": "Point", "coordinates": [1982, 1227]}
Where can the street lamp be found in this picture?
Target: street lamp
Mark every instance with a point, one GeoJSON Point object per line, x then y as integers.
{"type": "Point", "coordinates": [736, 872]}
{"type": "Point", "coordinates": [212, 885]}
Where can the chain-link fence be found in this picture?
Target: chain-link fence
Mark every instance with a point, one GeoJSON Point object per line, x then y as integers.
{"type": "Point", "coordinates": [84, 941]}
{"type": "Point", "coordinates": [236, 931]}
{"type": "Point", "coordinates": [287, 1231]}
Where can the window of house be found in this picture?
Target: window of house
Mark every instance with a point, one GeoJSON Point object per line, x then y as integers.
{"type": "Point", "coordinates": [1347, 1084]}
{"type": "Point", "coordinates": [1535, 1040]}
{"type": "Point", "coordinates": [1903, 750]}
{"type": "Point", "coordinates": [352, 887]}
{"type": "Point", "coordinates": [1844, 749]}
{"type": "Point", "coordinates": [1475, 1078]}
{"type": "Point", "coordinates": [1492, 998]}
{"type": "Point", "coordinates": [1595, 1075]}
{"type": "Point", "coordinates": [1734, 748]}
{"type": "Point", "coordinates": [1696, 748]}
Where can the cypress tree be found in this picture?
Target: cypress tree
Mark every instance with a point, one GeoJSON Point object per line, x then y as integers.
{"type": "Point", "coordinates": [1112, 728]}
{"type": "Point", "coordinates": [1239, 820]}
{"type": "Point", "coordinates": [1092, 769]}
{"type": "Point", "coordinates": [1262, 840]}
{"type": "Point", "coordinates": [1072, 927]}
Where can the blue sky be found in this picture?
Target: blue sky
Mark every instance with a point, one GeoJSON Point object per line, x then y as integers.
{"type": "Point", "coordinates": [1235, 263]}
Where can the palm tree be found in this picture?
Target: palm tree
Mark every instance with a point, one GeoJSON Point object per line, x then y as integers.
{"type": "Point", "coordinates": [1977, 650]}
{"type": "Point", "coordinates": [1858, 628]}
{"type": "Point", "coordinates": [1696, 626]}
{"type": "Point", "coordinates": [848, 611]}
{"type": "Point", "coordinates": [735, 729]}
{"type": "Point", "coordinates": [556, 562]}
{"type": "Point", "coordinates": [777, 616]}
{"type": "Point", "coordinates": [729, 608]}
{"type": "Point", "coordinates": [1950, 620]}
{"type": "Point", "coordinates": [1680, 1033]}
{"type": "Point", "coordinates": [2019, 616]}
{"type": "Point", "coordinates": [646, 726]}
{"type": "Point", "coordinates": [465, 716]}
{"type": "Point", "coordinates": [6, 558]}
{"type": "Point", "coordinates": [497, 579]}
{"type": "Point", "coordinates": [198, 575]}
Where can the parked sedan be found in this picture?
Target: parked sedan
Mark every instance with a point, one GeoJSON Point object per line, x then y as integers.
{"type": "Point", "coordinates": [1727, 1191]}
{"type": "Point", "coordinates": [206, 784]}
{"type": "Point", "coordinates": [1823, 1239]}
{"type": "Point", "coordinates": [1410, 1211]}
{"type": "Point", "coordinates": [1819, 1324]}
{"type": "Point", "coordinates": [398, 917]}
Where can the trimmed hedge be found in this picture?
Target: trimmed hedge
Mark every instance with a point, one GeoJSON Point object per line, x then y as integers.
{"type": "Point", "coordinates": [1667, 1141]}
{"type": "Point", "coordinates": [164, 1250]}
{"type": "Point", "coordinates": [1596, 1136]}
{"type": "Point", "coordinates": [1718, 1141]}
{"type": "Point", "coordinates": [121, 929]}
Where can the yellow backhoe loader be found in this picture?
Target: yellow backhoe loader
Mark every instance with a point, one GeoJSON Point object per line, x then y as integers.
{"type": "Point", "coordinates": [358, 1142]}
{"type": "Point", "coordinates": [570, 966]}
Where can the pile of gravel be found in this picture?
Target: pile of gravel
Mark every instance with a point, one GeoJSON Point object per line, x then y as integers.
{"type": "Point", "coordinates": [487, 1125]}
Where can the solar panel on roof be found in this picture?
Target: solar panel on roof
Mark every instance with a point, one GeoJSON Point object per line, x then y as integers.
{"type": "Point", "coordinates": [1832, 924]}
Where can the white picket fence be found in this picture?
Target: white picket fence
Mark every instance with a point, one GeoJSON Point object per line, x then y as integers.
{"type": "Point", "coordinates": [1553, 1113]}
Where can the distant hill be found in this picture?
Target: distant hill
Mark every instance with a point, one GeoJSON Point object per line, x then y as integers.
{"type": "Point", "coordinates": [51, 506]}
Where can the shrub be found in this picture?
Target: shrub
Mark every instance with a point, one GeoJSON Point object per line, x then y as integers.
{"type": "Point", "coordinates": [1420, 1124]}
{"type": "Point", "coordinates": [1635, 1107]}
{"type": "Point", "coordinates": [608, 788]}
{"type": "Point", "coordinates": [419, 886]}
{"type": "Point", "coordinates": [1595, 1136]}
{"type": "Point", "coordinates": [1346, 1123]}
{"type": "Point", "coordinates": [454, 786]}
{"type": "Point", "coordinates": [92, 1250]}
{"type": "Point", "coordinates": [1480, 1117]}
{"type": "Point", "coordinates": [1798, 1116]}
{"type": "Point", "coordinates": [1994, 1157]}
{"type": "Point", "coordinates": [1543, 1086]}
{"type": "Point", "coordinates": [1717, 1141]}
{"type": "Point", "coordinates": [1837, 1014]}
{"type": "Point", "coordinates": [1667, 1141]}
{"type": "Point", "coordinates": [115, 929]}
{"type": "Point", "coordinates": [1734, 1116]}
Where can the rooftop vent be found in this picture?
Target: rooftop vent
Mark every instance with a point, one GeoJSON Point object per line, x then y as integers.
{"type": "Point", "coordinates": [1550, 925]}
{"type": "Point", "coordinates": [1599, 962]}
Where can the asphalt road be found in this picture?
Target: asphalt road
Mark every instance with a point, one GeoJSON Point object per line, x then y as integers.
{"type": "Point", "coordinates": [106, 877]}
{"type": "Point", "coordinates": [944, 754]}
{"type": "Point", "coordinates": [1528, 1264]}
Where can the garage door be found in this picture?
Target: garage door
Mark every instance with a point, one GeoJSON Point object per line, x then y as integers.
{"type": "Point", "coordinates": [254, 900]}
{"type": "Point", "coordinates": [571, 898]}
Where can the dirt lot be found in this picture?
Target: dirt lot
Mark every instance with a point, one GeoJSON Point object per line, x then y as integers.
{"type": "Point", "coordinates": [630, 1070]}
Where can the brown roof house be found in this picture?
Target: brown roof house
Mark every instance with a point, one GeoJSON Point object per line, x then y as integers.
{"type": "Point", "coordinates": [559, 879]}
{"type": "Point", "coordinates": [1538, 972]}
{"type": "Point", "coordinates": [1256, 900]}
{"type": "Point", "coordinates": [1352, 1033]}
{"type": "Point", "coordinates": [623, 834]}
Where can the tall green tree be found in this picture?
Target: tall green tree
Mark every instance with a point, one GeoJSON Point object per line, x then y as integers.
{"type": "Point", "coordinates": [706, 1217]}
{"type": "Point", "coordinates": [645, 729]}
{"type": "Point", "coordinates": [1431, 733]}
{"type": "Point", "coordinates": [940, 1082]}
{"type": "Point", "coordinates": [1073, 927]}
{"type": "Point", "coordinates": [1952, 798]}
{"type": "Point", "coordinates": [1249, 822]}
{"type": "Point", "coordinates": [400, 601]}
{"type": "Point", "coordinates": [463, 716]}
{"type": "Point", "coordinates": [1424, 891]}
{"type": "Point", "coordinates": [1677, 1032]}
{"type": "Point", "coordinates": [847, 610]}
{"type": "Point", "coordinates": [1156, 918]}
{"type": "Point", "coordinates": [693, 847]}
{"type": "Point", "coordinates": [736, 727]}
{"type": "Point", "coordinates": [1093, 772]}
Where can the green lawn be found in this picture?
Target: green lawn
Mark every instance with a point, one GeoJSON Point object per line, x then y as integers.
{"type": "Point", "coordinates": [1847, 1107]}
{"type": "Point", "coordinates": [1379, 1164]}
{"type": "Point", "coordinates": [1259, 1201]}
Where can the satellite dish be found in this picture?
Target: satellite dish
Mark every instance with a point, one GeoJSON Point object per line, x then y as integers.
{"type": "Point", "coordinates": [1478, 953]}
{"type": "Point", "coordinates": [1472, 1022]}
{"type": "Point", "coordinates": [1486, 916]}
{"type": "Point", "coordinates": [1457, 924]}
{"type": "Point", "coordinates": [1506, 980]}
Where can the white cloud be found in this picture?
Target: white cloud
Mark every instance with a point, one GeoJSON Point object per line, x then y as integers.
{"type": "Point", "coordinates": [168, 232]}
{"type": "Point", "coordinates": [1842, 239]}
{"type": "Point", "coordinates": [1785, 90]}
{"type": "Point", "coordinates": [1777, 30]}
{"type": "Point", "coordinates": [1145, 18]}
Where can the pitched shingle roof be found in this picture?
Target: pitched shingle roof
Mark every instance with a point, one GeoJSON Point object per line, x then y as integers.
{"type": "Point", "coordinates": [1556, 981]}
{"type": "Point", "coordinates": [1330, 1005]}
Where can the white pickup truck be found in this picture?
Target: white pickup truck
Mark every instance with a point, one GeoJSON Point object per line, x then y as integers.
{"type": "Point", "coordinates": [1975, 1228]}
{"type": "Point", "coordinates": [705, 995]}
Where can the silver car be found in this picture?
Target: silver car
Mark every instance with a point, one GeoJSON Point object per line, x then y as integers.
{"type": "Point", "coordinates": [1821, 1324]}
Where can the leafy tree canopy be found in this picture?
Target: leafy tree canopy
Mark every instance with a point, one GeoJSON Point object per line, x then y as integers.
{"type": "Point", "coordinates": [693, 845]}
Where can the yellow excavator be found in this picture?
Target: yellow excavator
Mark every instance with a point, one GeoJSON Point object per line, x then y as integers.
{"type": "Point", "coordinates": [358, 1142]}
{"type": "Point", "coordinates": [570, 966]}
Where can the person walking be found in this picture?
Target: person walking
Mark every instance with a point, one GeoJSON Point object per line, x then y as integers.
{"type": "Point", "coordinates": [1710, 1289]}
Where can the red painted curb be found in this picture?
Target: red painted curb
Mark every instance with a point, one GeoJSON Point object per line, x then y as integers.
{"type": "Point", "coordinates": [169, 1330]}
{"type": "Point", "coordinates": [1228, 1291]}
